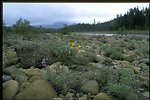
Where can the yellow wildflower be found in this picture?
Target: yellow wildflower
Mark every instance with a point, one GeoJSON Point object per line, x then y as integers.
{"type": "Point", "coordinates": [72, 44]}
{"type": "Point", "coordinates": [79, 46]}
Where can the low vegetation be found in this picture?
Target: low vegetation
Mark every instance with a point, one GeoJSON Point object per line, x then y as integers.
{"type": "Point", "coordinates": [118, 65]}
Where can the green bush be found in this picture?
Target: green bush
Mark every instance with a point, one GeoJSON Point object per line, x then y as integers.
{"type": "Point", "coordinates": [117, 80]}
{"type": "Point", "coordinates": [62, 81]}
{"type": "Point", "coordinates": [113, 52]}
{"type": "Point", "coordinates": [59, 50]}
{"type": "Point", "coordinates": [31, 54]}
{"type": "Point", "coordinates": [82, 57]}
{"type": "Point", "coordinates": [121, 82]}
{"type": "Point", "coordinates": [64, 53]}
{"type": "Point", "coordinates": [120, 90]}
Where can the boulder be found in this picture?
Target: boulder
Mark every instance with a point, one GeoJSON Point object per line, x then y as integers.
{"type": "Point", "coordinates": [40, 89]}
{"type": "Point", "coordinates": [143, 66]}
{"type": "Point", "coordinates": [100, 58]}
{"type": "Point", "coordinates": [102, 96]}
{"type": "Point", "coordinates": [130, 56]}
{"type": "Point", "coordinates": [24, 85]}
{"type": "Point", "coordinates": [142, 78]}
{"type": "Point", "coordinates": [10, 89]}
{"type": "Point", "coordinates": [57, 99]}
{"type": "Point", "coordinates": [136, 69]}
{"type": "Point", "coordinates": [57, 67]}
{"type": "Point", "coordinates": [33, 72]}
{"type": "Point", "coordinates": [16, 74]}
{"type": "Point", "coordinates": [34, 78]}
{"type": "Point", "coordinates": [6, 78]}
{"type": "Point", "coordinates": [146, 94]}
{"type": "Point", "coordinates": [84, 97]}
{"type": "Point", "coordinates": [90, 86]}
{"type": "Point", "coordinates": [9, 58]}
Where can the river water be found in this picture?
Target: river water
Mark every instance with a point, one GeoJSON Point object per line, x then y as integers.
{"type": "Point", "coordinates": [110, 34]}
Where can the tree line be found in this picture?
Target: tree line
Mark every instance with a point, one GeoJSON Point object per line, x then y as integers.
{"type": "Point", "coordinates": [134, 19]}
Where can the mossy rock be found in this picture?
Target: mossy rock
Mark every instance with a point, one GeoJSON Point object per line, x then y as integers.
{"type": "Point", "coordinates": [57, 67]}
{"type": "Point", "coordinates": [131, 56]}
{"type": "Point", "coordinates": [10, 89]}
{"type": "Point", "coordinates": [30, 54]}
{"type": "Point", "coordinates": [102, 96]}
{"type": "Point", "coordinates": [24, 85]}
{"type": "Point", "coordinates": [9, 58]}
{"type": "Point", "coordinates": [6, 78]}
{"type": "Point", "coordinates": [39, 89]}
{"type": "Point", "coordinates": [90, 86]}
{"type": "Point", "coordinates": [16, 73]}
{"type": "Point", "coordinates": [34, 78]}
{"type": "Point", "coordinates": [33, 72]}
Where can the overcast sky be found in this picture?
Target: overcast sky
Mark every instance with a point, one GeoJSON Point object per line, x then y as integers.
{"type": "Point", "coordinates": [49, 13]}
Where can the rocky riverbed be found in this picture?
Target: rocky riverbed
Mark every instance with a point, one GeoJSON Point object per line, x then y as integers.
{"type": "Point", "coordinates": [78, 67]}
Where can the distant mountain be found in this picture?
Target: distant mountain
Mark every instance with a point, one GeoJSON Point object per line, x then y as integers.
{"type": "Point", "coordinates": [56, 25]}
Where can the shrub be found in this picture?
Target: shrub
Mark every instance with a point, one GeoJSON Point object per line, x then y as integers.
{"type": "Point", "coordinates": [30, 54]}
{"type": "Point", "coordinates": [59, 50]}
{"type": "Point", "coordinates": [144, 50]}
{"type": "Point", "coordinates": [120, 90]}
{"type": "Point", "coordinates": [113, 52]}
{"type": "Point", "coordinates": [121, 82]}
{"type": "Point", "coordinates": [62, 81]}
{"type": "Point", "coordinates": [117, 80]}
{"type": "Point", "coordinates": [66, 54]}
{"type": "Point", "coordinates": [82, 57]}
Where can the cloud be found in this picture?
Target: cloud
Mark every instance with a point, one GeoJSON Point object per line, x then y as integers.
{"type": "Point", "coordinates": [49, 13]}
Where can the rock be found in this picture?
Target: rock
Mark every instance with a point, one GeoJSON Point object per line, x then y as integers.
{"type": "Point", "coordinates": [6, 78]}
{"type": "Point", "coordinates": [24, 85]}
{"type": "Point", "coordinates": [132, 96]}
{"type": "Point", "coordinates": [130, 56]}
{"type": "Point", "coordinates": [124, 63]}
{"type": "Point", "coordinates": [9, 58]}
{"type": "Point", "coordinates": [102, 96]}
{"type": "Point", "coordinates": [69, 95]}
{"type": "Point", "coordinates": [136, 69]}
{"type": "Point", "coordinates": [57, 99]}
{"type": "Point", "coordinates": [146, 94]}
{"type": "Point", "coordinates": [92, 65]}
{"type": "Point", "coordinates": [142, 78]}
{"type": "Point", "coordinates": [57, 67]}
{"type": "Point", "coordinates": [135, 63]}
{"type": "Point", "coordinates": [143, 66]}
{"type": "Point", "coordinates": [21, 79]}
{"type": "Point", "coordinates": [39, 89]}
{"type": "Point", "coordinates": [33, 72]}
{"type": "Point", "coordinates": [34, 78]}
{"type": "Point", "coordinates": [100, 58]}
{"type": "Point", "coordinates": [71, 98]}
{"type": "Point", "coordinates": [84, 97]}
{"type": "Point", "coordinates": [90, 87]}
{"type": "Point", "coordinates": [89, 75]}
{"type": "Point", "coordinates": [108, 61]}
{"type": "Point", "coordinates": [84, 80]}
{"type": "Point", "coordinates": [16, 74]}
{"type": "Point", "coordinates": [145, 61]}
{"type": "Point", "coordinates": [10, 89]}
